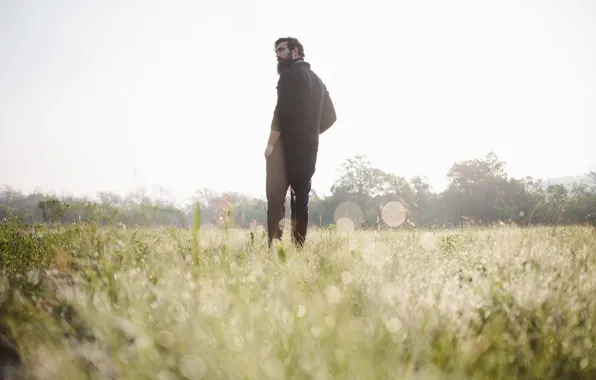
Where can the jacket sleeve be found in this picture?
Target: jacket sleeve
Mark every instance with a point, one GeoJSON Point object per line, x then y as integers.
{"type": "Point", "coordinates": [285, 100]}
{"type": "Point", "coordinates": [328, 116]}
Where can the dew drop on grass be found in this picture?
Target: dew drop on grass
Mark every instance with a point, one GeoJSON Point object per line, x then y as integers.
{"type": "Point", "coordinates": [33, 276]}
{"type": "Point", "coordinates": [100, 360]}
{"type": "Point", "coordinates": [428, 241]}
{"type": "Point", "coordinates": [287, 322]}
{"type": "Point", "coordinates": [274, 368]}
{"type": "Point", "coordinates": [330, 321]}
{"type": "Point", "coordinates": [393, 325]}
{"type": "Point", "coordinates": [340, 355]}
{"type": "Point", "coordinates": [387, 292]}
{"type": "Point", "coordinates": [224, 302]}
{"type": "Point", "coordinates": [266, 348]}
{"type": "Point", "coordinates": [165, 339]}
{"type": "Point", "coordinates": [166, 375]}
{"type": "Point", "coordinates": [301, 311]}
{"type": "Point", "coordinates": [376, 254]}
{"type": "Point", "coordinates": [322, 374]}
{"type": "Point", "coordinates": [353, 243]}
{"type": "Point", "coordinates": [192, 367]}
{"type": "Point", "coordinates": [346, 278]}
{"type": "Point", "coordinates": [315, 331]}
{"type": "Point", "coordinates": [345, 225]}
{"type": "Point", "coordinates": [65, 294]}
{"type": "Point", "coordinates": [255, 311]}
{"type": "Point", "coordinates": [233, 341]}
{"type": "Point", "coordinates": [332, 293]}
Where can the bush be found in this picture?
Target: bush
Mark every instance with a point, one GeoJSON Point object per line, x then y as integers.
{"type": "Point", "coordinates": [27, 249]}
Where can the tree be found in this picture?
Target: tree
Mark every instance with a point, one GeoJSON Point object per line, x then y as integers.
{"type": "Point", "coordinates": [422, 202]}
{"type": "Point", "coordinates": [592, 179]}
{"type": "Point", "coordinates": [52, 210]}
{"type": "Point", "coordinates": [359, 179]}
{"type": "Point", "coordinates": [478, 190]}
{"type": "Point", "coordinates": [475, 188]}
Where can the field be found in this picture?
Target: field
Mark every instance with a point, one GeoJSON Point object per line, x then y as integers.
{"type": "Point", "coordinates": [499, 303]}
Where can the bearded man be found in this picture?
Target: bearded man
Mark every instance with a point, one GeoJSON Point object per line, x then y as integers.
{"type": "Point", "coordinates": [304, 110]}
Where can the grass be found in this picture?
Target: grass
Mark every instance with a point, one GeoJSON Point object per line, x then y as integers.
{"type": "Point", "coordinates": [499, 303]}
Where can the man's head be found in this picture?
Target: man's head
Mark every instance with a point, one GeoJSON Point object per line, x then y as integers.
{"type": "Point", "coordinates": [287, 49]}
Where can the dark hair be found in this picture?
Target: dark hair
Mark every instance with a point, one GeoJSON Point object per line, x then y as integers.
{"type": "Point", "coordinates": [292, 43]}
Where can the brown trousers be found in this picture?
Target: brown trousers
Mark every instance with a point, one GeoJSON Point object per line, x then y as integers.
{"type": "Point", "coordinates": [294, 169]}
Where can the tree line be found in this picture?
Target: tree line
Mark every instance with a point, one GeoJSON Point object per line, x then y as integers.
{"type": "Point", "coordinates": [479, 192]}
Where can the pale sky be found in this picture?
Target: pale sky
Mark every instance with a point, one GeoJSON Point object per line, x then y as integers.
{"type": "Point", "coordinates": [113, 95]}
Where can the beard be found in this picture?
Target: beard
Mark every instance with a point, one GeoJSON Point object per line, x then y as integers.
{"type": "Point", "coordinates": [284, 64]}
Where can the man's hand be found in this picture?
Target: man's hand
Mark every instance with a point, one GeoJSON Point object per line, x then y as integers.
{"type": "Point", "coordinates": [268, 150]}
{"type": "Point", "coordinates": [273, 136]}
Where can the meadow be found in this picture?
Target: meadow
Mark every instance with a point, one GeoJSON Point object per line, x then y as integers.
{"type": "Point", "coordinates": [83, 302]}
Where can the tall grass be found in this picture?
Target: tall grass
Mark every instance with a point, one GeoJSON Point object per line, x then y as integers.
{"type": "Point", "coordinates": [503, 303]}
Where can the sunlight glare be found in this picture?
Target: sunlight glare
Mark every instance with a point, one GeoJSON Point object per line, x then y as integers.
{"type": "Point", "coordinates": [394, 214]}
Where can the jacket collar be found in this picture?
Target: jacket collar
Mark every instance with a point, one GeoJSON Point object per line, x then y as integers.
{"type": "Point", "coordinates": [297, 61]}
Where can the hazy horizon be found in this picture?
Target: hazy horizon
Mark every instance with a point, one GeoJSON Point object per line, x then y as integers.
{"type": "Point", "coordinates": [180, 95]}
{"type": "Point", "coordinates": [161, 192]}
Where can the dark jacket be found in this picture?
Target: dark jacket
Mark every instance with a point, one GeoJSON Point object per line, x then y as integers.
{"type": "Point", "coordinates": [304, 108]}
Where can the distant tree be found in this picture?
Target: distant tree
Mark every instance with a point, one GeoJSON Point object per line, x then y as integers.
{"type": "Point", "coordinates": [479, 191]}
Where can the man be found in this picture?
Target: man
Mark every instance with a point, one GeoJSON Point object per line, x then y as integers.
{"type": "Point", "coordinates": [304, 110]}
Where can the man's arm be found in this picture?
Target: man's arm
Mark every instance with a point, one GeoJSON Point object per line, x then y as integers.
{"type": "Point", "coordinates": [274, 134]}
{"type": "Point", "coordinates": [285, 102]}
{"type": "Point", "coordinates": [275, 131]}
{"type": "Point", "coordinates": [328, 117]}
{"type": "Point", "coordinates": [285, 98]}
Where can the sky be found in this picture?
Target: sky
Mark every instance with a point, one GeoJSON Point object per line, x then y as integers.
{"type": "Point", "coordinates": [117, 95]}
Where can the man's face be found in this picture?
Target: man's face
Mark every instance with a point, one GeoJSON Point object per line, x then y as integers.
{"type": "Point", "coordinates": [284, 56]}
